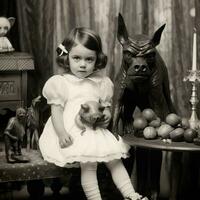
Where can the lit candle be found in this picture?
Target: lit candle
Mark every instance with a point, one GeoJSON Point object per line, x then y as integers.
{"type": "Point", "coordinates": [194, 57]}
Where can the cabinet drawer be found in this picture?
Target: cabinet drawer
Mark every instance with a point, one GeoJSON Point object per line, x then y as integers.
{"type": "Point", "coordinates": [10, 87]}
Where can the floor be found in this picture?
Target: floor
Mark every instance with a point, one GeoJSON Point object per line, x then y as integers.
{"type": "Point", "coordinates": [19, 192]}
{"type": "Point", "coordinates": [22, 194]}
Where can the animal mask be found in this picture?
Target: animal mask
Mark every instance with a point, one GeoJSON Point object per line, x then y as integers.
{"type": "Point", "coordinates": [138, 51]}
{"type": "Point", "coordinates": [90, 114]}
{"type": "Point", "coordinates": [142, 80]}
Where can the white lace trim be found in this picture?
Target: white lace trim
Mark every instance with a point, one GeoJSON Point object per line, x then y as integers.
{"type": "Point", "coordinates": [72, 161]}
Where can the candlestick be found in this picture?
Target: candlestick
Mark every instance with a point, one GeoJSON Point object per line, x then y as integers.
{"type": "Point", "coordinates": [194, 101]}
{"type": "Point", "coordinates": [194, 57]}
{"type": "Point", "coordinates": [194, 78]}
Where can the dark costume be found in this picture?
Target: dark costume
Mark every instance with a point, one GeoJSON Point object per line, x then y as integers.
{"type": "Point", "coordinates": [143, 82]}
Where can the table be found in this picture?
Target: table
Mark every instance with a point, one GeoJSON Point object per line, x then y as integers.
{"type": "Point", "coordinates": [159, 144]}
{"type": "Point", "coordinates": [177, 148]}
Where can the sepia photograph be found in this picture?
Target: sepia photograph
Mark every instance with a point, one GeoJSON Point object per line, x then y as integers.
{"type": "Point", "coordinates": [99, 99]}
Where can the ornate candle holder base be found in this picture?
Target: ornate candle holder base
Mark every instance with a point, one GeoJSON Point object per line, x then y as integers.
{"type": "Point", "coordinates": [194, 78]}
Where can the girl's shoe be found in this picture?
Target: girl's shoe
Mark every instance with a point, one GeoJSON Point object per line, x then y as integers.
{"type": "Point", "coordinates": [136, 196]}
{"type": "Point", "coordinates": [142, 198]}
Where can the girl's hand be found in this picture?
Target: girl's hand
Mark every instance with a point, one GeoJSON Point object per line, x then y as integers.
{"type": "Point", "coordinates": [106, 119]}
{"type": "Point", "coordinates": [65, 140]}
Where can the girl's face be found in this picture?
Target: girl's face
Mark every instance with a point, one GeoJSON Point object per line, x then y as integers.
{"type": "Point", "coordinates": [82, 61]}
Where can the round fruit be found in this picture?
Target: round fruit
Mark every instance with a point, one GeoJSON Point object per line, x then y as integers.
{"type": "Point", "coordinates": [197, 141]}
{"type": "Point", "coordinates": [162, 123]}
{"type": "Point", "coordinates": [177, 134]}
{"type": "Point", "coordinates": [189, 135]}
{"type": "Point", "coordinates": [164, 130]}
{"type": "Point", "coordinates": [173, 119]}
{"type": "Point", "coordinates": [155, 123]}
{"type": "Point", "coordinates": [185, 123]}
{"type": "Point", "coordinates": [139, 123]}
{"type": "Point", "coordinates": [148, 114]}
{"type": "Point", "coordinates": [149, 132]}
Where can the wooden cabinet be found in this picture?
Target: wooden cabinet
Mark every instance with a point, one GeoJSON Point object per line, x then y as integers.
{"type": "Point", "coordinates": [13, 84]}
{"type": "Point", "coordinates": [13, 79]}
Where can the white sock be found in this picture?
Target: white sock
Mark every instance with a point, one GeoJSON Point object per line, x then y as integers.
{"type": "Point", "coordinates": [121, 178]}
{"type": "Point", "coordinates": [89, 181]}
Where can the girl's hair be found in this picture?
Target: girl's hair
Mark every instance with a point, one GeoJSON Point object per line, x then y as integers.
{"type": "Point", "coordinates": [88, 39]}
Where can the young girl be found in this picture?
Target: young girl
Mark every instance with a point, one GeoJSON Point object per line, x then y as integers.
{"type": "Point", "coordinates": [62, 141]}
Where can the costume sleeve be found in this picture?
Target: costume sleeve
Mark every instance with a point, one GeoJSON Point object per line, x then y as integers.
{"type": "Point", "coordinates": [107, 92]}
{"type": "Point", "coordinates": [55, 91]}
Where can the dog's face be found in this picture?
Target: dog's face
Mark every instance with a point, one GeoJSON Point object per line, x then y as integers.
{"type": "Point", "coordinates": [138, 52]}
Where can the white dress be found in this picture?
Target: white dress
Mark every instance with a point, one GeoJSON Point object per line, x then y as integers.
{"type": "Point", "coordinates": [97, 145]}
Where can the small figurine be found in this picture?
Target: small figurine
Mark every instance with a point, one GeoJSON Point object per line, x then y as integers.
{"type": "Point", "coordinates": [33, 123]}
{"type": "Point", "coordinates": [89, 114]}
{"type": "Point", "coordinates": [13, 136]}
{"type": "Point", "coordinates": [5, 26]}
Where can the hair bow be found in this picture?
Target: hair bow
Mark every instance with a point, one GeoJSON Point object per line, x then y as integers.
{"type": "Point", "coordinates": [63, 49]}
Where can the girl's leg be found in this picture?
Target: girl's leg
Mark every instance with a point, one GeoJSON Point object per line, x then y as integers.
{"type": "Point", "coordinates": [122, 180]}
{"type": "Point", "coordinates": [89, 181]}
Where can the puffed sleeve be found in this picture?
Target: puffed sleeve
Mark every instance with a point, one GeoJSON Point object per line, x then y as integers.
{"type": "Point", "coordinates": [107, 91]}
{"type": "Point", "coordinates": [55, 91]}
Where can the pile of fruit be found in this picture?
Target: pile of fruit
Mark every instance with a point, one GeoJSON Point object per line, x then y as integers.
{"type": "Point", "coordinates": [174, 128]}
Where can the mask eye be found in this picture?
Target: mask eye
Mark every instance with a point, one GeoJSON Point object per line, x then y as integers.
{"type": "Point", "coordinates": [128, 56]}
{"type": "Point", "coordinates": [101, 108]}
{"type": "Point", "coordinates": [150, 56]}
{"type": "Point", "coordinates": [6, 28]}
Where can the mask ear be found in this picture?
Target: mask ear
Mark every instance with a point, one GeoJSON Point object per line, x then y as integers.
{"type": "Point", "coordinates": [157, 35]}
{"type": "Point", "coordinates": [11, 20]}
{"type": "Point", "coordinates": [122, 33]}
{"type": "Point", "coordinates": [85, 107]}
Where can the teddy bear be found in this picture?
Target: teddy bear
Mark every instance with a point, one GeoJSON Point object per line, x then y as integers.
{"type": "Point", "coordinates": [5, 26]}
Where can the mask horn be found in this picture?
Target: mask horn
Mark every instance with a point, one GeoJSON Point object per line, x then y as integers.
{"type": "Point", "coordinates": [122, 33]}
{"type": "Point", "coordinates": [157, 35]}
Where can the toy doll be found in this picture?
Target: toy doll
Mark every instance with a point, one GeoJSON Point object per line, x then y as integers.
{"type": "Point", "coordinates": [5, 26]}
{"type": "Point", "coordinates": [33, 123]}
{"type": "Point", "coordinates": [13, 136]}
